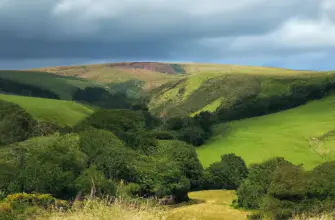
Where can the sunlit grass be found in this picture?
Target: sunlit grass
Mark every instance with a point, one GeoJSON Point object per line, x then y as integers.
{"type": "Point", "coordinates": [294, 134]}
{"type": "Point", "coordinates": [51, 110]}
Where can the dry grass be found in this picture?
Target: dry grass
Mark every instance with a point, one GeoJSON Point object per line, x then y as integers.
{"type": "Point", "coordinates": [101, 210]}
{"type": "Point", "coordinates": [212, 205]}
{"type": "Point", "coordinates": [209, 205]}
{"type": "Point", "coordinates": [326, 216]}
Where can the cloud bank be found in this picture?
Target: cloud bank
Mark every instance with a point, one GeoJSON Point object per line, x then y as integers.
{"type": "Point", "coordinates": [288, 33]}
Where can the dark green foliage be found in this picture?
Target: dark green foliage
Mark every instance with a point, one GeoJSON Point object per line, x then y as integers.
{"type": "Point", "coordinates": [102, 98]}
{"type": "Point", "coordinates": [108, 153]}
{"type": "Point", "coordinates": [321, 179]}
{"type": "Point", "coordinates": [256, 186]}
{"type": "Point", "coordinates": [229, 173]}
{"type": "Point", "coordinates": [129, 126]}
{"type": "Point", "coordinates": [15, 123]}
{"type": "Point", "coordinates": [162, 135]}
{"type": "Point", "coordinates": [185, 157]}
{"type": "Point", "coordinates": [194, 130]}
{"type": "Point", "coordinates": [299, 92]}
{"type": "Point", "coordinates": [281, 190]}
{"type": "Point", "coordinates": [93, 182]}
{"type": "Point", "coordinates": [117, 121]}
{"type": "Point", "coordinates": [14, 87]}
{"type": "Point", "coordinates": [288, 183]}
{"type": "Point", "coordinates": [162, 177]}
{"type": "Point", "coordinates": [45, 167]}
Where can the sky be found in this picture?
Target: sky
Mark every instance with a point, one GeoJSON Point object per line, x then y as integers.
{"type": "Point", "coordinates": [297, 34]}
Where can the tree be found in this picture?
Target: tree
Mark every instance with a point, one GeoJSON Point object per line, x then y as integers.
{"type": "Point", "coordinates": [256, 185]}
{"type": "Point", "coordinates": [15, 123]}
{"type": "Point", "coordinates": [108, 153]}
{"type": "Point", "coordinates": [185, 157]}
{"type": "Point", "coordinates": [93, 181]}
{"type": "Point", "coordinates": [229, 172]}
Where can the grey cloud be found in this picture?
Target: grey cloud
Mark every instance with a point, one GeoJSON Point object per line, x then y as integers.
{"type": "Point", "coordinates": [146, 29]}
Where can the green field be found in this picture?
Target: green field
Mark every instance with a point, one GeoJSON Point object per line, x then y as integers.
{"type": "Point", "coordinates": [61, 85]}
{"type": "Point", "coordinates": [302, 135]}
{"type": "Point", "coordinates": [57, 111]}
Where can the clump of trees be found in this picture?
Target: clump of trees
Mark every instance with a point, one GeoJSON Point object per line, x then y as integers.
{"type": "Point", "coordinates": [279, 189]}
{"type": "Point", "coordinates": [194, 130]}
{"type": "Point", "coordinates": [99, 96]}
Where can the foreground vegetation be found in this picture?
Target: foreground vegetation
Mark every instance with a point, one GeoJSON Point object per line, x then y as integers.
{"type": "Point", "coordinates": [116, 158]}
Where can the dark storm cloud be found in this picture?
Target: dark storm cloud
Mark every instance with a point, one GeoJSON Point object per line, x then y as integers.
{"type": "Point", "coordinates": [183, 30]}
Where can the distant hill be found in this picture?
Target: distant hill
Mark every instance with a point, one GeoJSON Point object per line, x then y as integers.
{"type": "Point", "coordinates": [63, 113]}
{"type": "Point", "coordinates": [187, 89]}
{"type": "Point", "coordinates": [153, 74]}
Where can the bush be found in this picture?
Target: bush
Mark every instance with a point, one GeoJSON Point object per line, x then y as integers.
{"type": "Point", "coordinates": [93, 182]}
{"type": "Point", "coordinates": [185, 157]}
{"type": "Point", "coordinates": [42, 200]}
{"type": "Point", "coordinates": [108, 153]}
{"type": "Point", "coordinates": [43, 167]}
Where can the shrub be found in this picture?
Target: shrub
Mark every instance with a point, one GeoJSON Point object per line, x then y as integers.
{"type": "Point", "coordinates": [92, 181]}
{"type": "Point", "coordinates": [42, 200]}
{"type": "Point", "coordinates": [108, 153]}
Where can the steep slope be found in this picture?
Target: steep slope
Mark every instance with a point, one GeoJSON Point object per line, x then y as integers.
{"type": "Point", "coordinates": [63, 86]}
{"type": "Point", "coordinates": [63, 113]}
{"type": "Point", "coordinates": [302, 135]}
{"type": "Point", "coordinates": [214, 91]}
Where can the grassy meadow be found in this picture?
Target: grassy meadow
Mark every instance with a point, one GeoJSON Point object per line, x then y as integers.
{"type": "Point", "coordinates": [302, 135]}
{"type": "Point", "coordinates": [209, 205]}
{"type": "Point", "coordinates": [63, 113]}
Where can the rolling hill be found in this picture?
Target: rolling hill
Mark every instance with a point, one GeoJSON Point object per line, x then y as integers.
{"type": "Point", "coordinates": [187, 89]}
{"type": "Point", "coordinates": [305, 134]}
{"type": "Point", "coordinates": [63, 113]}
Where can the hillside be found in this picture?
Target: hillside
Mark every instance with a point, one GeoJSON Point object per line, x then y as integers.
{"type": "Point", "coordinates": [63, 113]}
{"type": "Point", "coordinates": [212, 91]}
{"type": "Point", "coordinates": [63, 86]}
{"type": "Point", "coordinates": [152, 74]}
{"type": "Point", "coordinates": [302, 135]}
{"type": "Point", "coordinates": [187, 89]}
